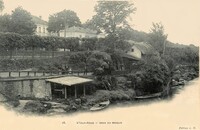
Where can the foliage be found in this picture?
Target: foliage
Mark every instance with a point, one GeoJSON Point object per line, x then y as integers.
{"type": "Point", "coordinates": [38, 64]}
{"type": "Point", "coordinates": [184, 55]}
{"type": "Point", "coordinates": [151, 76]}
{"type": "Point", "coordinates": [21, 22]}
{"type": "Point", "coordinates": [88, 44]}
{"type": "Point", "coordinates": [79, 59]}
{"type": "Point", "coordinates": [130, 34]}
{"type": "Point", "coordinates": [37, 107]}
{"type": "Point", "coordinates": [100, 63]}
{"type": "Point", "coordinates": [5, 23]}
{"type": "Point", "coordinates": [16, 41]}
{"type": "Point", "coordinates": [112, 43]}
{"type": "Point", "coordinates": [1, 5]}
{"type": "Point", "coordinates": [111, 14]}
{"type": "Point", "coordinates": [157, 38]}
{"type": "Point", "coordinates": [62, 20]}
{"type": "Point", "coordinates": [114, 95]}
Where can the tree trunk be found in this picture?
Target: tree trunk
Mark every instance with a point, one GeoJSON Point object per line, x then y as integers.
{"type": "Point", "coordinates": [33, 52]}
{"type": "Point", "coordinates": [52, 53]}
{"type": "Point", "coordinates": [11, 53]}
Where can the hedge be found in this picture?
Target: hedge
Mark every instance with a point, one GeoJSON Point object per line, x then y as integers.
{"type": "Point", "coordinates": [12, 41]}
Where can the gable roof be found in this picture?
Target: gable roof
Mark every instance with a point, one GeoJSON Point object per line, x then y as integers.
{"type": "Point", "coordinates": [38, 20]}
{"type": "Point", "coordinates": [145, 48]}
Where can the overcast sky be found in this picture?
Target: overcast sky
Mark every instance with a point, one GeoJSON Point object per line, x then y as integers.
{"type": "Point", "coordinates": [181, 18]}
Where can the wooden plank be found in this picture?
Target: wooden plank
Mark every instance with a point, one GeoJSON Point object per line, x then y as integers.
{"type": "Point", "coordinates": [75, 91]}
{"type": "Point", "coordinates": [83, 90]}
{"type": "Point", "coordinates": [65, 92]}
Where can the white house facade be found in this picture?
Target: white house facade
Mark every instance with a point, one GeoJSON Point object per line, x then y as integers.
{"type": "Point", "coordinates": [80, 32]}
{"type": "Point", "coordinates": [42, 26]}
{"type": "Point", "coordinates": [140, 49]}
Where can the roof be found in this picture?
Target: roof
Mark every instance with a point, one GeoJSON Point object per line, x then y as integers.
{"type": "Point", "coordinates": [70, 80]}
{"type": "Point", "coordinates": [145, 48]}
{"type": "Point", "coordinates": [80, 29]}
{"type": "Point", "coordinates": [125, 55]}
{"type": "Point", "coordinates": [38, 20]}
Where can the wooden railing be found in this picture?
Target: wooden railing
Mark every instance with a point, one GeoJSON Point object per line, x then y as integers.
{"type": "Point", "coordinates": [7, 74]}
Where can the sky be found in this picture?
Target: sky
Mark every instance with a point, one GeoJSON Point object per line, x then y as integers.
{"type": "Point", "coordinates": [180, 18]}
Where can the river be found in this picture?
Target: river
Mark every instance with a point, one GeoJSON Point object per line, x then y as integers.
{"type": "Point", "coordinates": [180, 112]}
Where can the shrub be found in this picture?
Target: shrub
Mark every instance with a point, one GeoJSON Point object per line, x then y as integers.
{"type": "Point", "coordinates": [37, 107]}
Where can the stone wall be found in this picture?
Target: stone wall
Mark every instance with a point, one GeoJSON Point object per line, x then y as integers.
{"type": "Point", "coordinates": [26, 89]}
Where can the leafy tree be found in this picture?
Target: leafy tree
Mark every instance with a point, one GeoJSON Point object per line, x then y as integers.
{"type": "Point", "coordinates": [112, 14]}
{"type": "Point", "coordinates": [79, 60]}
{"type": "Point", "coordinates": [5, 23]}
{"type": "Point", "coordinates": [72, 44]}
{"type": "Point", "coordinates": [151, 76]}
{"type": "Point", "coordinates": [88, 44]}
{"type": "Point", "coordinates": [157, 37]}
{"type": "Point", "coordinates": [62, 20]}
{"type": "Point", "coordinates": [1, 5]}
{"type": "Point", "coordinates": [10, 42]}
{"type": "Point", "coordinates": [129, 33]}
{"type": "Point", "coordinates": [91, 24]}
{"type": "Point", "coordinates": [22, 22]}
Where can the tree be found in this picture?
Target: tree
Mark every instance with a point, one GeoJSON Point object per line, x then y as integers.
{"type": "Point", "coordinates": [1, 5]}
{"type": "Point", "coordinates": [157, 37]}
{"type": "Point", "coordinates": [22, 22]}
{"type": "Point", "coordinates": [63, 20]}
{"type": "Point", "coordinates": [112, 14]}
{"type": "Point", "coordinates": [5, 23]}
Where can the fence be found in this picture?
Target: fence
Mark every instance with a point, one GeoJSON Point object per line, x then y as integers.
{"type": "Point", "coordinates": [26, 54]}
{"type": "Point", "coordinates": [10, 74]}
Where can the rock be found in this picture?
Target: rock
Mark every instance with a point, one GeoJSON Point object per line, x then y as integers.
{"type": "Point", "coordinates": [78, 101]}
{"type": "Point", "coordinates": [59, 110]}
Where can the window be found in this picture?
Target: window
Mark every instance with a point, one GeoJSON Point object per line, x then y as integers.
{"type": "Point", "coordinates": [39, 29]}
{"type": "Point", "coordinates": [132, 50]}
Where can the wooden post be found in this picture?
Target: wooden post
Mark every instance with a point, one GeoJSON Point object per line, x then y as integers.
{"type": "Point", "coordinates": [34, 73]}
{"type": "Point", "coordinates": [75, 92]}
{"type": "Point", "coordinates": [19, 73]}
{"type": "Point", "coordinates": [9, 74]}
{"type": "Point", "coordinates": [28, 73]}
{"type": "Point", "coordinates": [65, 92]}
{"type": "Point", "coordinates": [83, 90]}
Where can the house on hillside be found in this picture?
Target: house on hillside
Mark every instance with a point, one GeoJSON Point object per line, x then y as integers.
{"type": "Point", "coordinates": [141, 49]}
{"type": "Point", "coordinates": [80, 32]}
{"type": "Point", "coordinates": [138, 51]}
{"type": "Point", "coordinates": [42, 26]}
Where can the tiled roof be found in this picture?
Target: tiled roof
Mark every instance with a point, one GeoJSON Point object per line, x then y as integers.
{"type": "Point", "coordinates": [38, 20]}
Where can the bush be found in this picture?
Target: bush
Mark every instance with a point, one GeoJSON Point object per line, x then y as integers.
{"type": "Point", "coordinates": [37, 107]}
{"type": "Point", "coordinates": [151, 77]}
{"type": "Point", "coordinates": [114, 95]}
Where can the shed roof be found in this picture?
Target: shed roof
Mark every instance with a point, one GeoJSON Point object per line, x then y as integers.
{"type": "Point", "coordinates": [70, 80]}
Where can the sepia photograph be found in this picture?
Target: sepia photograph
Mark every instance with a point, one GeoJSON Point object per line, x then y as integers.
{"type": "Point", "coordinates": [89, 64]}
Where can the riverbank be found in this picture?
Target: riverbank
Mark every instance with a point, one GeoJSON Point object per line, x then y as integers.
{"type": "Point", "coordinates": [64, 107]}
